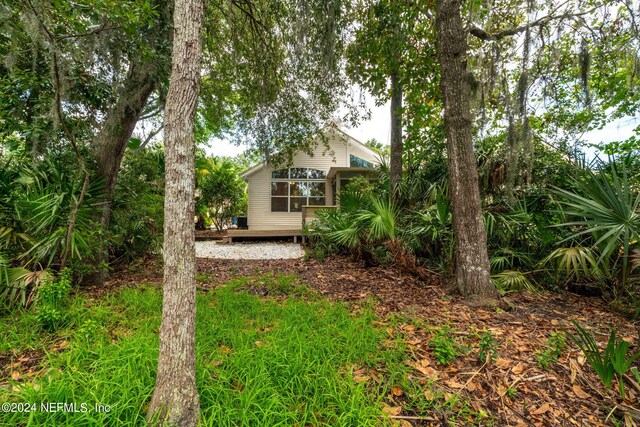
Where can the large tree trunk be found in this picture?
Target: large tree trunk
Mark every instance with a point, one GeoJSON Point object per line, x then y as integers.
{"type": "Point", "coordinates": [472, 270]}
{"type": "Point", "coordinates": [395, 172]}
{"type": "Point", "coordinates": [175, 400]}
{"type": "Point", "coordinates": [112, 140]}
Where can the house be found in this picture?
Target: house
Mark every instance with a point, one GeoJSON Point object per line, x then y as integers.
{"type": "Point", "coordinates": [277, 196]}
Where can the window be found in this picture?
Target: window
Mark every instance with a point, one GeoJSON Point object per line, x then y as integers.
{"type": "Point", "coordinates": [357, 162]}
{"type": "Point", "coordinates": [293, 188]}
{"type": "Point", "coordinates": [299, 173]}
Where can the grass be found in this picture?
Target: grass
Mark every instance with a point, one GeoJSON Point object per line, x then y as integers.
{"type": "Point", "coordinates": [288, 359]}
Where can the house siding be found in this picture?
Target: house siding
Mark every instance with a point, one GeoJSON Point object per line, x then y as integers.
{"type": "Point", "coordinates": [259, 215]}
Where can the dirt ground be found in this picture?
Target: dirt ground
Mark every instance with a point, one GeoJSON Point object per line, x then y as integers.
{"type": "Point", "coordinates": [566, 393]}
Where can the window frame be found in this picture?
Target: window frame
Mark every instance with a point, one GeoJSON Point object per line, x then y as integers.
{"type": "Point", "coordinates": [311, 176]}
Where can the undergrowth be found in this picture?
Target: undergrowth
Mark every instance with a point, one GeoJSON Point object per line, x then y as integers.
{"type": "Point", "coordinates": [280, 361]}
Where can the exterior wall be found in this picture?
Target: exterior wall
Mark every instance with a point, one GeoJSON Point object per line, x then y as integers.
{"type": "Point", "coordinates": [259, 215]}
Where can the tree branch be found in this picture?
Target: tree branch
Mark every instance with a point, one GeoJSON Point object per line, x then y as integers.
{"type": "Point", "coordinates": [487, 36]}
{"type": "Point", "coordinates": [148, 138]}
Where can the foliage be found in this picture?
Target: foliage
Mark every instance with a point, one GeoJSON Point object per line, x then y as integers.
{"type": "Point", "coordinates": [362, 224]}
{"type": "Point", "coordinates": [574, 263]}
{"type": "Point", "coordinates": [613, 361]}
{"type": "Point", "coordinates": [445, 348]}
{"type": "Point", "coordinates": [138, 206]}
{"type": "Point", "coordinates": [487, 347]}
{"type": "Point", "coordinates": [51, 300]}
{"type": "Point", "coordinates": [607, 209]}
{"type": "Point", "coordinates": [555, 346]}
{"type": "Point", "coordinates": [222, 193]}
{"type": "Point", "coordinates": [37, 202]}
{"type": "Point", "coordinates": [513, 281]}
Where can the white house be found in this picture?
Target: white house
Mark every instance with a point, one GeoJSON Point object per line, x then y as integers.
{"type": "Point", "coordinates": [277, 196]}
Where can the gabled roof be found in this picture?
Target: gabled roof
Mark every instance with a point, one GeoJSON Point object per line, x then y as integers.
{"type": "Point", "coordinates": [327, 128]}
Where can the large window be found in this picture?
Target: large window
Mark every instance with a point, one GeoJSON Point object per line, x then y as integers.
{"type": "Point", "coordinates": [293, 188]}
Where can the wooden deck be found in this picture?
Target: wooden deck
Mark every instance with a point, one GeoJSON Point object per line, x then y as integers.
{"type": "Point", "coordinates": [231, 234]}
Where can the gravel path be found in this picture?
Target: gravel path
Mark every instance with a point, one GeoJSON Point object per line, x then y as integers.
{"type": "Point", "coordinates": [261, 250]}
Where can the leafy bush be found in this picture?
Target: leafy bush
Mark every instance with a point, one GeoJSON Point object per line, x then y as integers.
{"type": "Point", "coordinates": [513, 281]}
{"type": "Point", "coordinates": [52, 299]}
{"type": "Point", "coordinates": [445, 348]}
{"type": "Point", "coordinates": [606, 209]}
{"type": "Point", "coordinates": [221, 192]}
{"type": "Point", "coordinates": [487, 347]}
{"type": "Point", "coordinates": [138, 207]}
{"type": "Point", "coordinates": [362, 225]}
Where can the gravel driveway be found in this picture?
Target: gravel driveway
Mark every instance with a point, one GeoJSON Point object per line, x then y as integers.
{"type": "Point", "coordinates": [259, 250]}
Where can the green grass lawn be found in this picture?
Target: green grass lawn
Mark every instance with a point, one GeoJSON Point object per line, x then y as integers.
{"type": "Point", "coordinates": [281, 361]}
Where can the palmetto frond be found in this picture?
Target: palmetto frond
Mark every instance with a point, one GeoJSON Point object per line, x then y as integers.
{"type": "Point", "coordinates": [576, 261]}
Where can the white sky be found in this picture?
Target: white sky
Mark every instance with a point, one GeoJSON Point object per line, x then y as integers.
{"type": "Point", "coordinates": [378, 127]}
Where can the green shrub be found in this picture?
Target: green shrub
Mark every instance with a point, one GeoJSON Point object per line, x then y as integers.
{"type": "Point", "coordinates": [52, 298]}
{"type": "Point", "coordinates": [445, 348]}
{"type": "Point", "coordinates": [487, 347]}
{"type": "Point", "coordinates": [555, 346]}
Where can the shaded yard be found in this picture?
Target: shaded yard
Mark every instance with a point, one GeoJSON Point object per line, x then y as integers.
{"type": "Point", "coordinates": [309, 343]}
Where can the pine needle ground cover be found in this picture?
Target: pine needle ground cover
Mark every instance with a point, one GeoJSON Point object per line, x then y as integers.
{"type": "Point", "coordinates": [287, 358]}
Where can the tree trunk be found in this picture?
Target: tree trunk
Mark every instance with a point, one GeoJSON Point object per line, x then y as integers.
{"type": "Point", "coordinates": [395, 173]}
{"type": "Point", "coordinates": [472, 270]}
{"type": "Point", "coordinates": [112, 140]}
{"type": "Point", "coordinates": [175, 400]}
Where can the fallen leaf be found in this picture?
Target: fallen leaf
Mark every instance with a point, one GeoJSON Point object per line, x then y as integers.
{"type": "Point", "coordinates": [216, 363]}
{"type": "Point", "coordinates": [454, 384]}
{"type": "Point", "coordinates": [542, 409]}
{"type": "Point", "coordinates": [260, 343]}
{"type": "Point", "coordinates": [405, 423]}
{"type": "Point", "coordinates": [580, 392]}
{"type": "Point", "coordinates": [397, 391]}
{"type": "Point", "coordinates": [427, 371]}
{"type": "Point", "coordinates": [391, 410]}
{"type": "Point", "coordinates": [429, 394]}
{"type": "Point", "coordinates": [501, 363]}
{"type": "Point", "coordinates": [361, 378]}
{"type": "Point", "coordinates": [517, 370]}
{"type": "Point", "coordinates": [15, 375]}
{"type": "Point", "coordinates": [502, 390]}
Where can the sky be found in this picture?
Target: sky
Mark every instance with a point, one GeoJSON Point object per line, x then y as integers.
{"type": "Point", "coordinates": [378, 127]}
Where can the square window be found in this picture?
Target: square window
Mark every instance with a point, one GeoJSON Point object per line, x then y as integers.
{"type": "Point", "coordinates": [317, 189]}
{"type": "Point", "coordinates": [299, 189]}
{"type": "Point", "coordinates": [316, 174]}
{"type": "Point", "coordinates": [317, 201]}
{"type": "Point", "coordinates": [297, 203]}
{"type": "Point", "coordinates": [279, 204]}
{"type": "Point", "coordinates": [279, 188]}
